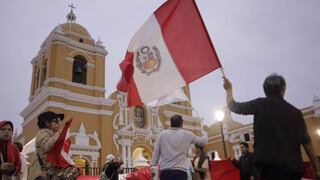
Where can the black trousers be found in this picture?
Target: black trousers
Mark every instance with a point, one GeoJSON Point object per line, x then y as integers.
{"type": "Point", "coordinates": [173, 175]}
{"type": "Point", "coordinates": [245, 177]}
{"type": "Point", "coordinates": [278, 172]}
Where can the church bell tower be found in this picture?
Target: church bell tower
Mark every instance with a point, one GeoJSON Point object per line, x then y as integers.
{"type": "Point", "coordinates": [69, 77]}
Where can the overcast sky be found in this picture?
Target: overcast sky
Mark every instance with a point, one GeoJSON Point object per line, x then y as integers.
{"type": "Point", "coordinates": [253, 39]}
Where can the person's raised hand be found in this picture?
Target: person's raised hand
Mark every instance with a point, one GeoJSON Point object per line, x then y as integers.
{"type": "Point", "coordinates": [69, 121]}
{"type": "Point", "coordinates": [227, 85]}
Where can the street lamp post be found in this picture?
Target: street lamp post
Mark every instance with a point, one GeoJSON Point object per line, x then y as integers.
{"type": "Point", "coordinates": [220, 116]}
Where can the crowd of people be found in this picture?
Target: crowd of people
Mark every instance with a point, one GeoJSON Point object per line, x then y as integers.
{"type": "Point", "coordinates": [279, 131]}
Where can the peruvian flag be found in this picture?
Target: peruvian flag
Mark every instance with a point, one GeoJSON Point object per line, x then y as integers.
{"type": "Point", "coordinates": [170, 50]}
{"type": "Point", "coordinates": [57, 155]}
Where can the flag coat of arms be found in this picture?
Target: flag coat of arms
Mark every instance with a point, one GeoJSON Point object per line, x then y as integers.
{"type": "Point", "coordinates": [169, 51]}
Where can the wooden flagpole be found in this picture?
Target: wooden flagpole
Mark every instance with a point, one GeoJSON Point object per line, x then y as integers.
{"type": "Point", "coordinates": [222, 72]}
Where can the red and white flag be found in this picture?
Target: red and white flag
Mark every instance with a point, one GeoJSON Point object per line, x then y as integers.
{"type": "Point", "coordinates": [170, 50]}
{"type": "Point", "coordinates": [56, 155]}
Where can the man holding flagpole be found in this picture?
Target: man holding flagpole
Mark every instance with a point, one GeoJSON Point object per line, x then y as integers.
{"type": "Point", "coordinates": [279, 132]}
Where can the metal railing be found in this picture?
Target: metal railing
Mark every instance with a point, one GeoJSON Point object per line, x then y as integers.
{"type": "Point", "coordinates": [96, 171]}
{"type": "Point", "coordinates": [127, 170]}
{"type": "Point", "coordinates": [91, 171]}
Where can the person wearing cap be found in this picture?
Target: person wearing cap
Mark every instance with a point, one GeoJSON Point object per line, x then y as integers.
{"type": "Point", "coordinates": [10, 163]}
{"type": "Point", "coordinates": [171, 150]}
{"type": "Point", "coordinates": [111, 167]}
{"type": "Point", "coordinates": [50, 126]}
{"type": "Point", "coordinates": [201, 163]}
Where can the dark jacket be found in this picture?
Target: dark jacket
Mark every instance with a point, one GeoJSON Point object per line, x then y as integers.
{"type": "Point", "coordinates": [245, 165]}
{"type": "Point", "coordinates": [279, 131]}
{"type": "Point", "coordinates": [111, 170]}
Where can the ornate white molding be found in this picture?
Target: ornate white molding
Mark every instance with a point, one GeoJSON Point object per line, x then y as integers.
{"type": "Point", "coordinates": [309, 109]}
{"type": "Point", "coordinates": [66, 94]}
{"type": "Point", "coordinates": [63, 106]}
{"type": "Point", "coordinates": [77, 34]}
{"type": "Point", "coordinates": [115, 137]}
{"type": "Point", "coordinates": [316, 106]}
{"type": "Point", "coordinates": [92, 154]}
{"type": "Point", "coordinates": [123, 108]}
{"type": "Point", "coordinates": [82, 139]}
{"type": "Point", "coordinates": [85, 147]}
{"type": "Point", "coordinates": [81, 52]}
{"type": "Point", "coordinates": [69, 59]}
{"type": "Point", "coordinates": [71, 42]}
{"type": "Point", "coordinates": [70, 83]}
{"type": "Point", "coordinates": [126, 142]}
{"type": "Point", "coordinates": [92, 66]}
{"type": "Point", "coordinates": [248, 126]}
{"type": "Point", "coordinates": [234, 136]}
{"type": "Point", "coordinates": [181, 107]}
{"type": "Point", "coordinates": [114, 123]}
{"type": "Point", "coordinates": [60, 38]}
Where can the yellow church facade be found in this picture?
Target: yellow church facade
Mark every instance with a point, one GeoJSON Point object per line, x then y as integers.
{"type": "Point", "coordinates": [69, 77]}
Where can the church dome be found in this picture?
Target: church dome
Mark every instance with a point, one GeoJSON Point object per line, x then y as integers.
{"type": "Point", "coordinates": [77, 28]}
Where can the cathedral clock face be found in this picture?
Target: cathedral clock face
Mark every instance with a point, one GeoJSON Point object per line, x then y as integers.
{"type": "Point", "coordinates": [139, 121]}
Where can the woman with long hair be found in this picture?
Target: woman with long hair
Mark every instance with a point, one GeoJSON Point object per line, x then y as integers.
{"type": "Point", "coordinates": [201, 163]}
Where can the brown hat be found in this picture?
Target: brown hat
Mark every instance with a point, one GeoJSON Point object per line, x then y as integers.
{"type": "Point", "coordinates": [48, 116]}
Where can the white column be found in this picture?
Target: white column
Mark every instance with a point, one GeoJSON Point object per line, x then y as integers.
{"type": "Point", "coordinates": [121, 109]}
{"type": "Point", "coordinates": [126, 115]}
{"type": "Point", "coordinates": [124, 155]}
{"type": "Point", "coordinates": [155, 116]}
{"type": "Point", "coordinates": [129, 156]}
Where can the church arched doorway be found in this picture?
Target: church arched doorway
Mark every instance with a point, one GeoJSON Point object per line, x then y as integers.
{"type": "Point", "coordinates": [83, 164]}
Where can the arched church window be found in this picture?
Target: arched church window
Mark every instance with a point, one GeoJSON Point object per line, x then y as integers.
{"type": "Point", "coordinates": [44, 71]}
{"type": "Point", "coordinates": [79, 70]}
{"type": "Point", "coordinates": [139, 117]}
